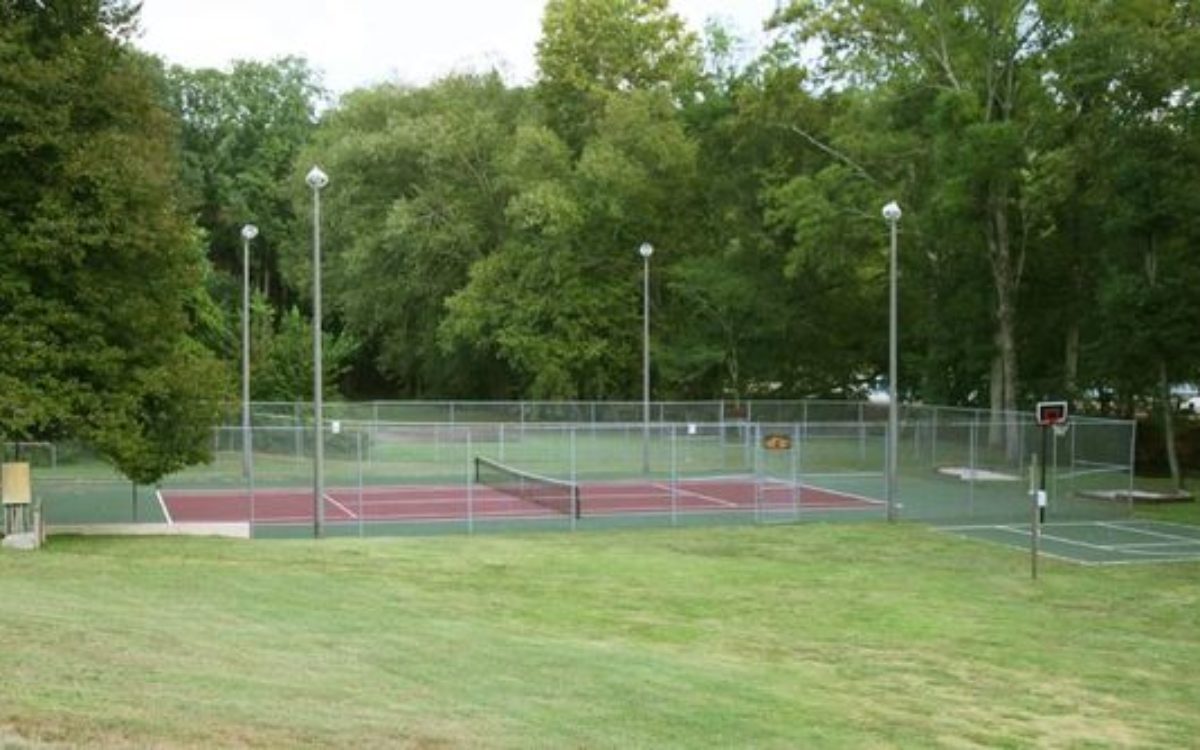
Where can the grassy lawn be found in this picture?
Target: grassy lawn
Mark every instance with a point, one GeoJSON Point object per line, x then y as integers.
{"type": "Point", "coordinates": [801, 636]}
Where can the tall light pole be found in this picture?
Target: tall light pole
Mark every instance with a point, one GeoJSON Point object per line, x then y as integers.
{"type": "Point", "coordinates": [249, 232]}
{"type": "Point", "coordinates": [316, 180]}
{"type": "Point", "coordinates": [891, 214]}
{"type": "Point", "coordinates": [646, 250]}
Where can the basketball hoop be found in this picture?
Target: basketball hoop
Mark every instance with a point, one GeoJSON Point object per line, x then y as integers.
{"type": "Point", "coordinates": [1052, 414]}
{"type": "Point", "coordinates": [1061, 429]}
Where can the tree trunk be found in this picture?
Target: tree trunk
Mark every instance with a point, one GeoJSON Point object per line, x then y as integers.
{"type": "Point", "coordinates": [1164, 383]}
{"type": "Point", "coordinates": [1168, 420]}
{"type": "Point", "coordinates": [1006, 274]}
{"type": "Point", "coordinates": [1071, 368]}
{"type": "Point", "coordinates": [995, 428]}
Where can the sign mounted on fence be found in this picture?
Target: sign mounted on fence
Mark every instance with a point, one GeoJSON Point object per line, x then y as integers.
{"type": "Point", "coordinates": [777, 442]}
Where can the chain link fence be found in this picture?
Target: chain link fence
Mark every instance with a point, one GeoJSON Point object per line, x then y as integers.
{"type": "Point", "coordinates": [412, 467]}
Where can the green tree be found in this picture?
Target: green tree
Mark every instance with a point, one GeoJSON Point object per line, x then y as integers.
{"type": "Point", "coordinates": [282, 356]}
{"type": "Point", "coordinates": [416, 197]}
{"type": "Point", "coordinates": [240, 134]}
{"type": "Point", "coordinates": [973, 69]}
{"type": "Point", "coordinates": [99, 260]}
{"type": "Point", "coordinates": [590, 49]}
{"type": "Point", "coordinates": [559, 301]}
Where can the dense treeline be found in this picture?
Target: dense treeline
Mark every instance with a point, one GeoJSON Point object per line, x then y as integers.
{"type": "Point", "coordinates": [481, 238]}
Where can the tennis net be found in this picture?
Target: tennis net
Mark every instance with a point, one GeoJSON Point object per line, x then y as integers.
{"type": "Point", "coordinates": [557, 495]}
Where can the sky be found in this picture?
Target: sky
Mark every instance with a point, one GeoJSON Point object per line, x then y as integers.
{"type": "Point", "coordinates": [361, 42]}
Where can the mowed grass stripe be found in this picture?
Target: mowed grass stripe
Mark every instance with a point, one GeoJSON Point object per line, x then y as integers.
{"type": "Point", "coordinates": [817, 635]}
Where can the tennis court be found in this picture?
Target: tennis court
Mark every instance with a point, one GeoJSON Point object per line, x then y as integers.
{"type": "Point", "coordinates": [1119, 542]}
{"type": "Point", "coordinates": [401, 478]}
{"type": "Point", "coordinates": [511, 497]}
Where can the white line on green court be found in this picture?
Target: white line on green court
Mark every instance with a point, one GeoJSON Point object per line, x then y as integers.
{"type": "Point", "coordinates": [1175, 538]}
{"type": "Point", "coordinates": [1141, 552]}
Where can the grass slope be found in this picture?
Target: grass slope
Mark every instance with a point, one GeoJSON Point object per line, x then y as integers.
{"type": "Point", "coordinates": [804, 636]}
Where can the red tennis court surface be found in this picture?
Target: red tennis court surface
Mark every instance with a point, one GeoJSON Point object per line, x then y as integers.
{"type": "Point", "coordinates": [458, 502]}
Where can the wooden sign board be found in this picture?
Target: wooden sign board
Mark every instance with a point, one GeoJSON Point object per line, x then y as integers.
{"type": "Point", "coordinates": [14, 484]}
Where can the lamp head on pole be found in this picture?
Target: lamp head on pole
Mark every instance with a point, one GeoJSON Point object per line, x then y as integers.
{"type": "Point", "coordinates": [249, 232]}
{"type": "Point", "coordinates": [316, 179]}
{"type": "Point", "coordinates": [892, 212]}
{"type": "Point", "coordinates": [646, 250]}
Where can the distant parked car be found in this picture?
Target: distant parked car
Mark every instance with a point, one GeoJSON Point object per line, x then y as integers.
{"type": "Point", "coordinates": [1190, 405]}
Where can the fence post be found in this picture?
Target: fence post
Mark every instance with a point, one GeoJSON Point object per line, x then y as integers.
{"type": "Point", "coordinates": [971, 458]}
{"type": "Point", "coordinates": [674, 481]}
{"type": "Point", "coordinates": [471, 483]}
{"type": "Point", "coordinates": [572, 512]}
{"type": "Point", "coordinates": [359, 463]}
{"type": "Point", "coordinates": [250, 478]}
{"type": "Point", "coordinates": [758, 472]}
{"type": "Point", "coordinates": [1132, 466]}
{"type": "Point", "coordinates": [797, 488]}
{"type": "Point", "coordinates": [934, 440]}
{"type": "Point", "coordinates": [862, 435]}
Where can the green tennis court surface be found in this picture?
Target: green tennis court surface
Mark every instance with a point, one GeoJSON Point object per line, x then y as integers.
{"type": "Point", "coordinates": [1124, 542]}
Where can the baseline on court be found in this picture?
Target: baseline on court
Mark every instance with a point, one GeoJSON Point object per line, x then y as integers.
{"type": "Point", "coordinates": [1123, 542]}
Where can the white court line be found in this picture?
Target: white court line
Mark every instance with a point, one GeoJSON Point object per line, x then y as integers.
{"type": "Point", "coordinates": [1118, 548]}
{"type": "Point", "coordinates": [1174, 537]}
{"type": "Point", "coordinates": [343, 507]}
{"type": "Point", "coordinates": [1182, 543]}
{"type": "Point", "coordinates": [1040, 552]}
{"type": "Point", "coordinates": [1156, 522]}
{"type": "Point", "coordinates": [163, 504]}
{"type": "Point", "coordinates": [702, 496]}
{"type": "Point", "coordinates": [1114, 525]}
{"type": "Point", "coordinates": [1018, 526]}
{"type": "Point", "coordinates": [852, 495]}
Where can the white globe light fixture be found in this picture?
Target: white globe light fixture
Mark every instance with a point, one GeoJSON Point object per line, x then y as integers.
{"type": "Point", "coordinates": [316, 179]}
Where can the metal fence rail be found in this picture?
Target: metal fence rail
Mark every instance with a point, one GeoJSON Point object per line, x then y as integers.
{"type": "Point", "coordinates": [390, 472]}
